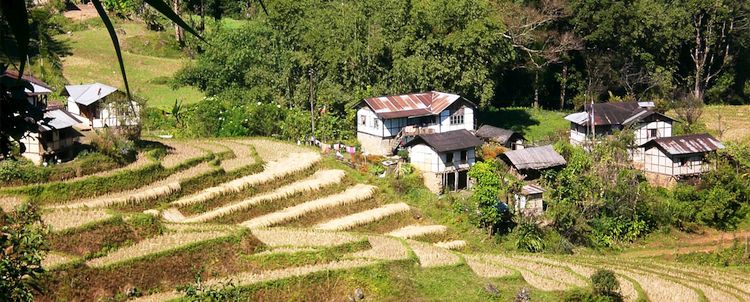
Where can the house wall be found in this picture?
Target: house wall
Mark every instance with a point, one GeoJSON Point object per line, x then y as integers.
{"type": "Point", "coordinates": [372, 144]}
{"type": "Point", "coordinates": [45, 144]}
{"type": "Point", "coordinates": [642, 132]}
{"type": "Point", "coordinates": [425, 159]}
{"type": "Point", "coordinates": [577, 134]}
{"type": "Point", "coordinates": [445, 124]}
{"type": "Point", "coordinates": [656, 161]}
{"type": "Point", "coordinates": [372, 124]}
{"type": "Point", "coordinates": [532, 204]}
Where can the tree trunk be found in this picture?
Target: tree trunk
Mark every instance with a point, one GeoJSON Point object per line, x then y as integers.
{"type": "Point", "coordinates": [563, 85]}
{"type": "Point", "coordinates": [312, 103]}
{"type": "Point", "coordinates": [179, 33]}
{"type": "Point", "coordinates": [536, 90]}
{"type": "Point", "coordinates": [203, 16]}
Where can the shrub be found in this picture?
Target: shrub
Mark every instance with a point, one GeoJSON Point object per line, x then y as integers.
{"type": "Point", "coordinates": [22, 247]}
{"type": "Point", "coordinates": [21, 171]}
{"type": "Point", "coordinates": [115, 146]}
{"type": "Point", "coordinates": [605, 283]}
{"type": "Point", "coordinates": [529, 237]}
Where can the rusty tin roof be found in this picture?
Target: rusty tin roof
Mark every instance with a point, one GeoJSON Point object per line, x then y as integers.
{"type": "Point", "coordinates": [411, 105]}
{"type": "Point", "coordinates": [686, 144]}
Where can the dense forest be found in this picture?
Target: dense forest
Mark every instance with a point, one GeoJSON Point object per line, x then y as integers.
{"type": "Point", "coordinates": [553, 54]}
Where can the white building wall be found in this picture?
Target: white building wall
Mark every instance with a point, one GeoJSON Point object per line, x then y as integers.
{"type": "Point", "coordinates": [445, 121]}
{"type": "Point", "coordinates": [372, 124]}
{"type": "Point", "coordinates": [33, 150]}
{"type": "Point", "coordinates": [577, 134]}
{"type": "Point", "coordinates": [73, 107]}
{"type": "Point", "coordinates": [425, 159]}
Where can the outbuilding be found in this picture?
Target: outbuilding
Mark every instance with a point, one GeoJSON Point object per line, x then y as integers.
{"type": "Point", "coordinates": [678, 157]}
{"type": "Point", "coordinates": [94, 104]}
{"type": "Point", "coordinates": [530, 201]}
{"type": "Point", "coordinates": [529, 162]}
{"type": "Point", "coordinates": [504, 137]}
{"type": "Point", "coordinates": [444, 158]}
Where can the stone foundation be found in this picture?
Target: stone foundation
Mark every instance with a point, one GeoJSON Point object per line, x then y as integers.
{"type": "Point", "coordinates": [661, 180]}
{"type": "Point", "coordinates": [374, 145]}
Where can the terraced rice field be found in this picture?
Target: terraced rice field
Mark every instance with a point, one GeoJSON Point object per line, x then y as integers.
{"type": "Point", "coordinates": [158, 253]}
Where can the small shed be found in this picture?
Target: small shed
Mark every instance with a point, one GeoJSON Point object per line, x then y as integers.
{"type": "Point", "coordinates": [529, 162]}
{"type": "Point", "coordinates": [679, 156]}
{"type": "Point", "coordinates": [89, 103]}
{"type": "Point", "coordinates": [530, 201]}
{"type": "Point", "coordinates": [507, 138]}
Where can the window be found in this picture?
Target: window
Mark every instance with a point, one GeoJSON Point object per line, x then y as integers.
{"type": "Point", "coordinates": [449, 158]}
{"type": "Point", "coordinates": [464, 156]}
{"type": "Point", "coordinates": [683, 161]}
{"type": "Point", "coordinates": [651, 133]}
{"type": "Point", "coordinates": [377, 123]}
{"type": "Point", "coordinates": [457, 119]}
{"type": "Point", "coordinates": [362, 120]}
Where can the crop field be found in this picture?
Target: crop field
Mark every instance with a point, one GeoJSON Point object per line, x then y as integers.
{"type": "Point", "coordinates": [324, 229]}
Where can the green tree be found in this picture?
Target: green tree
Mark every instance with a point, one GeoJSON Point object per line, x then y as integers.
{"type": "Point", "coordinates": [22, 248]}
{"type": "Point", "coordinates": [485, 195]}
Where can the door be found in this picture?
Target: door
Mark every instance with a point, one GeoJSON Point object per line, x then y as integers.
{"type": "Point", "coordinates": [450, 182]}
{"type": "Point", "coordinates": [463, 180]}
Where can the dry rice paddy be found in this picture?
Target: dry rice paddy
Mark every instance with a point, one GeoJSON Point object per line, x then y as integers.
{"type": "Point", "coordinates": [365, 217]}
{"type": "Point", "coordinates": [275, 237]}
{"type": "Point", "coordinates": [411, 231]}
{"type": "Point", "coordinates": [432, 256]}
{"type": "Point", "coordinates": [62, 219]}
{"type": "Point", "coordinates": [155, 245]}
{"type": "Point", "coordinates": [384, 248]}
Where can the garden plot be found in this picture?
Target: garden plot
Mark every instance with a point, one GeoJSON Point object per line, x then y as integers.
{"type": "Point", "coordinates": [275, 170]}
{"type": "Point", "coordinates": [432, 256]}
{"type": "Point", "coordinates": [451, 245]}
{"type": "Point", "coordinates": [152, 191]}
{"type": "Point", "coordinates": [485, 269]}
{"type": "Point", "coordinates": [365, 217]}
{"type": "Point", "coordinates": [315, 182]}
{"type": "Point", "coordinates": [180, 153]}
{"type": "Point", "coordinates": [545, 278]}
{"type": "Point", "coordinates": [383, 248]}
{"type": "Point", "coordinates": [411, 231]}
{"type": "Point", "coordinates": [243, 156]}
{"type": "Point", "coordinates": [156, 245]}
{"type": "Point", "coordinates": [278, 237]}
{"type": "Point", "coordinates": [354, 194]}
{"type": "Point", "coordinates": [62, 219]}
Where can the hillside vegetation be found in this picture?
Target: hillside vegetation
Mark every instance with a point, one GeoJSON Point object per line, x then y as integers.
{"type": "Point", "coordinates": [282, 227]}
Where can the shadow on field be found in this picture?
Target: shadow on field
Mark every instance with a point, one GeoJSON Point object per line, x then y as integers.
{"type": "Point", "coordinates": [516, 119]}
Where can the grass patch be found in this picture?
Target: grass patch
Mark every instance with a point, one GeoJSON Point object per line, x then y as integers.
{"type": "Point", "coordinates": [93, 55]}
{"type": "Point", "coordinates": [537, 125]}
{"type": "Point", "coordinates": [96, 239]}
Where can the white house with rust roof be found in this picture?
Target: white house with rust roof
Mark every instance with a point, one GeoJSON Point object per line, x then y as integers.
{"type": "Point", "coordinates": [382, 122]}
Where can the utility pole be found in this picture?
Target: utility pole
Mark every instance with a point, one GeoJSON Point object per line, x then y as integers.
{"type": "Point", "coordinates": [311, 72]}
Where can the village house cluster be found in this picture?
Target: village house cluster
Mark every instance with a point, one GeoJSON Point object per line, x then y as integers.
{"type": "Point", "coordinates": [88, 107]}
{"type": "Point", "coordinates": [438, 131]}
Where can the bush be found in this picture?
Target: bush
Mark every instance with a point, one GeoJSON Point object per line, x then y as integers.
{"type": "Point", "coordinates": [21, 171]}
{"type": "Point", "coordinates": [115, 146]}
{"type": "Point", "coordinates": [605, 284]}
{"type": "Point", "coordinates": [529, 237]}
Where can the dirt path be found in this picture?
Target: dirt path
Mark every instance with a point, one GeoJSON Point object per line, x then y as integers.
{"type": "Point", "coordinates": [81, 12]}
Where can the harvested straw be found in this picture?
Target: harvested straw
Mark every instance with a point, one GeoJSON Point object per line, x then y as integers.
{"type": "Point", "coordinates": [9, 203]}
{"type": "Point", "coordinates": [487, 270]}
{"type": "Point", "coordinates": [384, 248]}
{"type": "Point", "coordinates": [356, 193]}
{"type": "Point", "coordinates": [181, 153]}
{"type": "Point", "coordinates": [451, 245]}
{"type": "Point", "coordinates": [63, 219]}
{"type": "Point", "coordinates": [244, 279]}
{"type": "Point", "coordinates": [365, 217]}
{"type": "Point", "coordinates": [544, 280]}
{"type": "Point", "coordinates": [315, 182]}
{"type": "Point", "coordinates": [432, 256]}
{"type": "Point", "coordinates": [243, 156]}
{"type": "Point", "coordinates": [55, 259]}
{"type": "Point", "coordinates": [411, 231]}
{"type": "Point", "coordinates": [276, 237]}
{"type": "Point", "coordinates": [286, 250]}
{"type": "Point", "coordinates": [659, 289]}
{"type": "Point", "coordinates": [155, 245]}
{"type": "Point", "coordinates": [273, 170]}
{"type": "Point", "coordinates": [271, 150]}
{"type": "Point", "coordinates": [153, 191]}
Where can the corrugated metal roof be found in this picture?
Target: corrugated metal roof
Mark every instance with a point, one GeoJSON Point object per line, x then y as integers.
{"type": "Point", "coordinates": [686, 144]}
{"type": "Point", "coordinates": [89, 93]}
{"type": "Point", "coordinates": [57, 119]}
{"type": "Point", "coordinates": [447, 141]}
{"type": "Point", "coordinates": [535, 158]}
{"type": "Point", "coordinates": [532, 189]}
{"type": "Point", "coordinates": [39, 86]}
{"type": "Point", "coordinates": [495, 134]}
{"type": "Point", "coordinates": [619, 113]}
{"type": "Point", "coordinates": [410, 105]}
